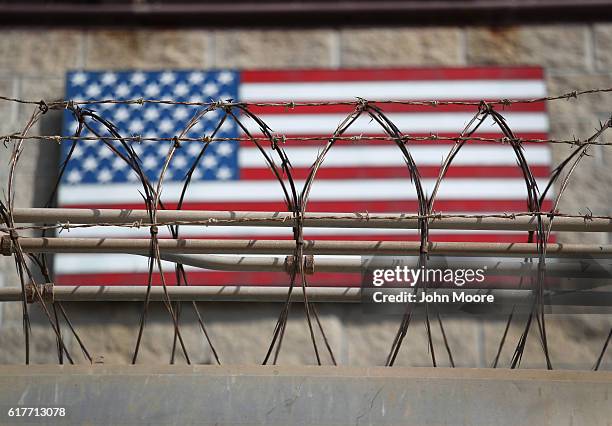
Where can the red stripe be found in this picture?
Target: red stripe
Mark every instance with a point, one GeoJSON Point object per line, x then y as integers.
{"type": "Point", "coordinates": [471, 73]}
{"type": "Point", "coordinates": [301, 142]}
{"type": "Point", "coordinates": [475, 238]}
{"type": "Point", "coordinates": [344, 206]}
{"type": "Point", "coordinates": [520, 237]}
{"type": "Point", "coordinates": [210, 278]}
{"type": "Point", "coordinates": [398, 172]}
{"type": "Point", "coordinates": [515, 237]}
{"type": "Point", "coordinates": [392, 108]}
{"type": "Point", "coordinates": [264, 279]}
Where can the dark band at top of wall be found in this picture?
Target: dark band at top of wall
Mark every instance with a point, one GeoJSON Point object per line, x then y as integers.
{"type": "Point", "coordinates": [298, 13]}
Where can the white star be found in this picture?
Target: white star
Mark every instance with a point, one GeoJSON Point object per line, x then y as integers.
{"type": "Point", "coordinates": [79, 78]}
{"type": "Point", "coordinates": [138, 78]}
{"type": "Point", "coordinates": [151, 114]}
{"type": "Point", "coordinates": [196, 127]}
{"type": "Point", "coordinates": [225, 77]}
{"type": "Point", "coordinates": [132, 176]}
{"type": "Point", "coordinates": [109, 78]}
{"type": "Point", "coordinates": [196, 98]}
{"type": "Point", "coordinates": [73, 127]}
{"type": "Point", "coordinates": [179, 162]}
{"type": "Point", "coordinates": [90, 164]}
{"type": "Point", "coordinates": [105, 175]}
{"type": "Point", "coordinates": [122, 114]}
{"type": "Point", "coordinates": [180, 113]}
{"type": "Point", "coordinates": [93, 90]}
{"type": "Point", "coordinates": [224, 149]}
{"type": "Point", "coordinates": [152, 90]}
{"type": "Point", "coordinates": [77, 152]}
{"type": "Point", "coordinates": [119, 163]}
{"type": "Point", "coordinates": [181, 89]}
{"type": "Point", "coordinates": [197, 174]}
{"type": "Point", "coordinates": [196, 77]}
{"type": "Point", "coordinates": [122, 90]}
{"type": "Point", "coordinates": [136, 126]}
{"type": "Point", "coordinates": [224, 173]}
{"type": "Point", "coordinates": [74, 176]}
{"type": "Point", "coordinates": [227, 126]}
{"type": "Point", "coordinates": [105, 152]}
{"type": "Point", "coordinates": [167, 78]}
{"type": "Point", "coordinates": [162, 150]}
{"type": "Point", "coordinates": [194, 149]}
{"type": "Point", "coordinates": [211, 114]}
{"type": "Point", "coordinates": [210, 89]}
{"type": "Point", "coordinates": [166, 126]}
{"type": "Point", "coordinates": [150, 162]}
{"type": "Point", "coordinates": [209, 161]}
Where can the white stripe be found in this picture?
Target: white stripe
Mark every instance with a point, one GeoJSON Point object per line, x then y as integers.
{"type": "Point", "coordinates": [407, 122]}
{"type": "Point", "coordinates": [244, 232]}
{"type": "Point", "coordinates": [92, 264]}
{"type": "Point", "coordinates": [322, 190]}
{"type": "Point", "coordinates": [389, 155]}
{"type": "Point", "coordinates": [401, 90]}
{"type": "Point", "coordinates": [123, 263]}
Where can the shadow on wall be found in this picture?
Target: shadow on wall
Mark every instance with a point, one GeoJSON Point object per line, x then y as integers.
{"type": "Point", "coordinates": [46, 169]}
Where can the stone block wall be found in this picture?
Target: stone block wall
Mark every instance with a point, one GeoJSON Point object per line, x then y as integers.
{"type": "Point", "coordinates": [33, 64]}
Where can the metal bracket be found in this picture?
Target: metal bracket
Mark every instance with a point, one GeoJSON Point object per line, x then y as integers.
{"type": "Point", "coordinates": [45, 291]}
{"type": "Point", "coordinates": [6, 246]}
{"type": "Point", "coordinates": [308, 264]}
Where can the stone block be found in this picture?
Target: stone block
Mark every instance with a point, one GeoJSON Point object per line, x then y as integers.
{"type": "Point", "coordinates": [40, 52]}
{"type": "Point", "coordinates": [369, 339]}
{"type": "Point", "coordinates": [245, 340]}
{"type": "Point", "coordinates": [551, 46]}
{"type": "Point", "coordinates": [579, 118]}
{"type": "Point", "coordinates": [385, 47]}
{"type": "Point", "coordinates": [43, 347]}
{"type": "Point", "coordinates": [603, 46]}
{"type": "Point", "coordinates": [109, 332]}
{"type": "Point", "coordinates": [146, 49]}
{"type": "Point", "coordinates": [8, 111]}
{"type": "Point", "coordinates": [273, 49]}
{"type": "Point", "coordinates": [574, 341]}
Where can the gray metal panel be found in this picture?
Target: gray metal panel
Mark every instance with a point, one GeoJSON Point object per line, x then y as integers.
{"type": "Point", "coordinates": [306, 395]}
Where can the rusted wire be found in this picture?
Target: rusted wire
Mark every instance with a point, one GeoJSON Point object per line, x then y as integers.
{"type": "Point", "coordinates": [537, 222]}
{"type": "Point", "coordinates": [284, 139]}
{"type": "Point", "coordinates": [65, 104]}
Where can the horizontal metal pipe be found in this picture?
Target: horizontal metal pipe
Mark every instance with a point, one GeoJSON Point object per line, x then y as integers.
{"type": "Point", "coordinates": [567, 268]}
{"type": "Point", "coordinates": [285, 219]}
{"type": "Point", "coordinates": [362, 248]}
{"type": "Point", "coordinates": [279, 294]}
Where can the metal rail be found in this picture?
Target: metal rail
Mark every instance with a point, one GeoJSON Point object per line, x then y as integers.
{"type": "Point", "coordinates": [327, 220]}
{"type": "Point", "coordinates": [567, 268]}
{"type": "Point", "coordinates": [237, 246]}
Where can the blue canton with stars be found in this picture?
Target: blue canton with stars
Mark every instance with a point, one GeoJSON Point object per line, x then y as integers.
{"type": "Point", "coordinates": [92, 162]}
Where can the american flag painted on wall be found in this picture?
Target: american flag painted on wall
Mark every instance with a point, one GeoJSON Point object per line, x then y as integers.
{"type": "Point", "coordinates": [356, 177]}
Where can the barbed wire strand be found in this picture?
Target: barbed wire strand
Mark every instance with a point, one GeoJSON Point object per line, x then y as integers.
{"type": "Point", "coordinates": [295, 199]}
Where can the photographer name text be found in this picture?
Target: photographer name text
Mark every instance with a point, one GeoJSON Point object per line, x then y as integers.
{"type": "Point", "coordinates": [433, 297]}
